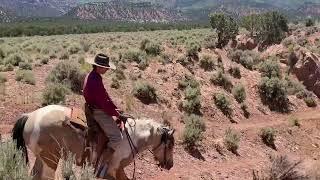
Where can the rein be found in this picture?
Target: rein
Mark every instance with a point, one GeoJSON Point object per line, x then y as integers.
{"type": "Point", "coordinates": [134, 149]}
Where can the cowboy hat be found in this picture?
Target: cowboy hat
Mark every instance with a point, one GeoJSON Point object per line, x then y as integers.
{"type": "Point", "coordinates": [101, 60]}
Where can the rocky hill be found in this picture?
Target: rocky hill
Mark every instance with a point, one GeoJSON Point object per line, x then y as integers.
{"type": "Point", "coordinates": [123, 11]}
{"type": "Point", "coordinates": [198, 9]}
{"type": "Point", "coordinates": [310, 9]}
{"type": "Point", "coordinates": [39, 8]}
{"type": "Point", "coordinates": [219, 84]}
{"type": "Point", "coordinates": [6, 16]}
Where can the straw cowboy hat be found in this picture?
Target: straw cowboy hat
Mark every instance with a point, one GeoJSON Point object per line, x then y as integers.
{"type": "Point", "coordinates": [101, 60]}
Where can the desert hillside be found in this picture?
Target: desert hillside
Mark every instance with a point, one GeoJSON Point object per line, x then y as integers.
{"type": "Point", "coordinates": [251, 102]}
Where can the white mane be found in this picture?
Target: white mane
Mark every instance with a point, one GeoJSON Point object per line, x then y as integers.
{"type": "Point", "coordinates": [143, 124]}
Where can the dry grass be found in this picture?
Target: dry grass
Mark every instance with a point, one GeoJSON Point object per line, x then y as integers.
{"type": "Point", "coordinates": [281, 169]}
{"type": "Point", "coordinates": [12, 163]}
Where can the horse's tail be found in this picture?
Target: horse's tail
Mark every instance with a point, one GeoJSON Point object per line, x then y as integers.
{"type": "Point", "coordinates": [17, 135]}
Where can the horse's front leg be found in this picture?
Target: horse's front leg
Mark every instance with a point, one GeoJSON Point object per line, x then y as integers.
{"type": "Point", "coordinates": [114, 166]}
{"type": "Point", "coordinates": [121, 175]}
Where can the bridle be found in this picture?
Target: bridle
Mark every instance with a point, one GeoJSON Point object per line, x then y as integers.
{"type": "Point", "coordinates": [134, 150]}
{"type": "Point", "coordinates": [164, 140]}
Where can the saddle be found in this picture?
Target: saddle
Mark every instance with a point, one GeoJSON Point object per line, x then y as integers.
{"type": "Point", "coordinates": [95, 140]}
{"type": "Point", "coordinates": [84, 124]}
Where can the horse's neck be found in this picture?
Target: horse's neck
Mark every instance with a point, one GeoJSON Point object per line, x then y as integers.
{"type": "Point", "coordinates": [145, 133]}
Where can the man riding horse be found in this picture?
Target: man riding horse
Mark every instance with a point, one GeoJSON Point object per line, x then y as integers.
{"type": "Point", "coordinates": [99, 104]}
{"type": "Point", "coordinates": [40, 131]}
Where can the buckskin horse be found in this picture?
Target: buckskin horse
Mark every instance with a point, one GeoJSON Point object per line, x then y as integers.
{"type": "Point", "coordinates": [47, 132]}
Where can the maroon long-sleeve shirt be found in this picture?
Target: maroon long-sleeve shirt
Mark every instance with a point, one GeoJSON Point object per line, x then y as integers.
{"type": "Point", "coordinates": [96, 95]}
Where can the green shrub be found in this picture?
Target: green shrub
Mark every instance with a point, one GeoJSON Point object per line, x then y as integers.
{"type": "Point", "coordinates": [294, 87]}
{"type": "Point", "coordinates": [165, 58]}
{"type": "Point", "coordinates": [44, 60]}
{"type": "Point", "coordinates": [74, 48]}
{"type": "Point", "coordinates": [52, 55]}
{"type": "Point", "coordinates": [247, 59]}
{"type": "Point", "coordinates": [273, 93]}
{"type": "Point", "coordinates": [192, 104]}
{"type": "Point", "coordinates": [54, 94]}
{"type": "Point", "coordinates": [12, 162]}
{"type": "Point", "coordinates": [283, 168]}
{"type": "Point", "coordinates": [7, 67]}
{"type": "Point", "coordinates": [210, 42]}
{"type": "Point", "coordinates": [223, 103]}
{"type": "Point", "coordinates": [119, 74]}
{"type": "Point", "coordinates": [115, 83]}
{"type": "Point", "coordinates": [153, 49]}
{"type": "Point", "coordinates": [247, 62]}
{"type": "Point", "coordinates": [244, 108]}
{"type": "Point", "coordinates": [64, 55]}
{"type": "Point", "coordinates": [235, 72]}
{"type": "Point", "coordinates": [310, 22]}
{"type": "Point", "coordinates": [310, 101]}
{"type": "Point", "coordinates": [302, 41]}
{"type": "Point", "coordinates": [145, 92]}
{"type": "Point", "coordinates": [193, 51]}
{"type": "Point", "coordinates": [231, 140]}
{"type": "Point", "coordinates": [143, 64]}
{"type": "Point", "coordinates": [235, 55]}
{"type": "Point", "coordinates": [134, 55]}
{"type": "Point", "coordinates": [143, 44]}
{"type": "Point", "coordinates": [194, 128]}
{"type": "Point", "coordinates": [239, 93]}
{"type": "Point", "coordinates": [188, 81]}
{"type": "Point", "coordinates": [270, 68]}
{"type": "Point", "coordinates": [269, 27]}
{"type": "Point", "coordinates": [68, 170]}
{"type": "Point", "coordinates": [294, 122]}
{"type": "Point", "coordinates": [220, 79]}
{"type": "Point", "coordinates": [2, 53]}
{"type": "Point", "coordinates": [25, 66]}
{"type": "Point", "coordinates": [185, 61]}
{"type": "Point", "coordinates": [303, 94]}
{"type": "Point", "coordinates": [268, 136]}
{"type": "Point", "coordinates": [3, 78]}
{"type": "Point", "coordinates": [191, 93]}
{"type": "Point", "coordinates": [225, 26]}
{"type": "Point", "coordinates": [45, 50]}
{"type": "Point", "coordinates": [13, 59]}
{"type": "Point", "coordinates": [287, 42]}
{"type": "Point", "coordinates": [25, 76]}
{"type": "Point", "coordinates": [207, 63]}
{"type": "Point", "coordinates": [85, 46]}
{"type": "Point", "coordinates": [69, 74]}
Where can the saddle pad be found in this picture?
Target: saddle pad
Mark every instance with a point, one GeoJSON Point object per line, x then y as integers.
{"type": "Point", "coordinates": [78, 118]}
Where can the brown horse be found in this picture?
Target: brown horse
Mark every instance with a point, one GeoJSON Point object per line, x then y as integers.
{"type": "Point", "coordinates": [46, 133]}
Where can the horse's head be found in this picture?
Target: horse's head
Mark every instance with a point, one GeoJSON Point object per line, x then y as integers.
{"type": "Point", "coordinates": [163, 152]}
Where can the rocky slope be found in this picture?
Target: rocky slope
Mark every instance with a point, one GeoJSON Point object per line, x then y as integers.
{"type": "Point", "coordinates": [198, 9]}
{"type": "Point", "coordinates": [122, 11]}
{"type": "Point", "coordinates": [38, 8]}
{"type": "Point", "coordinates": [6, 16]}
{"type": "Point", "coordinates": [212, 160]}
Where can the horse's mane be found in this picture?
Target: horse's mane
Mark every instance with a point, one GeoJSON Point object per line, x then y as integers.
{"type": "Point", "coordinates": [144, 123]}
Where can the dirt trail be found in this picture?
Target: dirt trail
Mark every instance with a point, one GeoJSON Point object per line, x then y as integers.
{"type": "Point", "coordinates": [269, 121]}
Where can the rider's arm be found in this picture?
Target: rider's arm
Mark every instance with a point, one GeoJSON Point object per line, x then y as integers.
{"type": "Point", "coordinates": [103, 101]}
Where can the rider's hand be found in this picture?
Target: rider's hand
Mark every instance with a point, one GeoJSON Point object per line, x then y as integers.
{"type": "Point", "coordinates": [119, 111]}
{"type": "Point", "coordinates": [121, 125]}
